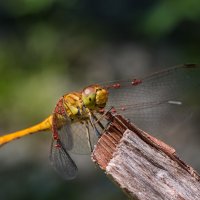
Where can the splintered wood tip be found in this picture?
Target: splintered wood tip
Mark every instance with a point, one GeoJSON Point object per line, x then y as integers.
{"type": "Point", "coordinates": [143, 166]}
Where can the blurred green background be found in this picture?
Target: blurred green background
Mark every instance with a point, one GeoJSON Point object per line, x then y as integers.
{"type": "Point", "coordinates": [50, 47]}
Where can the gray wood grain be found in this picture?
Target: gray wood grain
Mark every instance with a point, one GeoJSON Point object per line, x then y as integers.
{"type": "Point", "coordinates": [148, 174]}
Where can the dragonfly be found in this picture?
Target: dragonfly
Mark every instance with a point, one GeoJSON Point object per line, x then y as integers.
{"type": "Point", "coordinates": [79, 118]}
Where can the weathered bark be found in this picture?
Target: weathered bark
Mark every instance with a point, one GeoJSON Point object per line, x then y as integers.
{"type": "Point", "coordinates": [142, 166]}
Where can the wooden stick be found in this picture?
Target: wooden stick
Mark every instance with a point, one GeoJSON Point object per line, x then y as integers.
{"type": "Point", "coordinates": [144, 167]}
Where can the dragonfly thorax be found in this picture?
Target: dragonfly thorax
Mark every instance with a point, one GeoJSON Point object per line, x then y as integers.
{"type": "Point", "coordinates": [94, 97]}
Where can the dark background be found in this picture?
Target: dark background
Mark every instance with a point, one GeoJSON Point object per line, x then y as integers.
{"type": "Point", "coordinates": [50, 47]}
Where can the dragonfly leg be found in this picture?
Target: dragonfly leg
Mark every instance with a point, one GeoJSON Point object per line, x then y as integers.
{"type": "Point", "coordinates": [93, 124]}
{"type": "Point", "coordinates": [103, 115]}
{"type": "Point", "coordinates": [88, 136]}
{"type": "Point", "coordinates": [97, 121]}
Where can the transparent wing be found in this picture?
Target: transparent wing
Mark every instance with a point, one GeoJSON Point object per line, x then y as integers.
{"type": "Point", "coordinates": [62, 142]}
{"type": "Point", "coordinates": [80, 138]}
{"type": "Point", "coordinates": [159, 101]}
{"type": "Point", "coordinates": [63, 130]}
{"type": "Point", "coordinates": [62, 162]}
{"type": "Point", "coordinates": [66, 136]}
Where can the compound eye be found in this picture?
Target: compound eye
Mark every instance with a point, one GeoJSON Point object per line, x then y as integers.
{"type": "Point", "coordinates": [88, 91]}
{"type": "Point", "coordinates": [89, 97]}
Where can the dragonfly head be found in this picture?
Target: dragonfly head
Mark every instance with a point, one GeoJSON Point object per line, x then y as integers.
{"type": "Point", "coordinates": [94, 97]}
